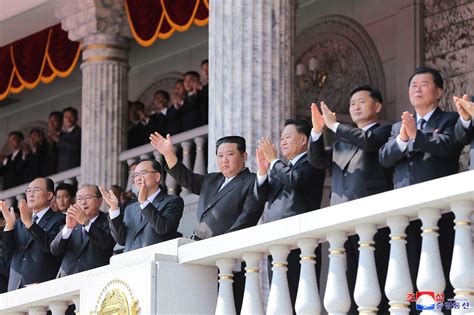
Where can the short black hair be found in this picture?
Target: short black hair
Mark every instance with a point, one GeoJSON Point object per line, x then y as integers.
{"type": "Point", "coordinates": [179, 81]}
{"type": "Point", "coordinates": [205, 61]}
{"type": "Point", "coordinates": [193, 73]}
{"type": "Point", "coordinates": [72, 110]}
{"type": "Point", "coordinates": [302, 126]}
{"type": "Point", "coordinates": [67, 187]}
{"type": "Point", "coordinates": [240, 141]}
{"type": "Point", "coordinates": [164, 94]}
{"type": "Point", "coordinates": [17, 134]}
{"type": "Point", "coordinates": [155, 165]}
{"type": "Point", "coordinates": [374, 92]}
{"type": "Point", "coordinates": [57, 114]}
{"type": "Point", "coordinates": [138, 105]}
{"type": "Point", "coordinates": [437, 78]}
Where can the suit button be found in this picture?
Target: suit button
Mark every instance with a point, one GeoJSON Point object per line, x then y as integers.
{"type": "Point", "coordinates": [345, 174]}
{"type": "Point", "coordinates": [411, 163]}
{"type": "Point", "coordinates": [78, 259]}
{"type": "Point", "coordinates": [24, 259]}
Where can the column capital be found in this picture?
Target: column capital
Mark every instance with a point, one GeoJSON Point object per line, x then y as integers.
{"type": "Point", "coordinates": [81, 18]}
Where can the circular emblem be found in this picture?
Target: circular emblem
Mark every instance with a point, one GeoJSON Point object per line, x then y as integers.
{"type": "Point", "coordinates": [116, 298]}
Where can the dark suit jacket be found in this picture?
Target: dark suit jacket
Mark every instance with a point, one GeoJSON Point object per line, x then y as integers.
{"type": "Point", "coordinates": [157, 222]}
{"type": "Point", "coordinates": [466, 137]}
{"type": "Point", "coordinates": [80, 254]}
{"type": "Point", "coordinates": [292, 191]}
{"type": "Point", "coordinates": [69, 149]}
{"type": "Point", "coordinates": [236, 206]}
{"type": "Point", "coordinates": [157, 123]}
{"type": "Point", "coordinates": [203, 100]}
{"type": "Point", "coordinates": [189, 113]}
{"type": "Point", "coordinates": [173, 125]}
{"type": "Point", "coordinates": [14, 171]}
{"type": "Point", "coordinates": [356, 171]}
{"type": "Point", "coordinates": [36, 163]}
{"type": "Point", "coordinates": [31, 257]}
{"type": "Point", "coordinates": [433, 154]}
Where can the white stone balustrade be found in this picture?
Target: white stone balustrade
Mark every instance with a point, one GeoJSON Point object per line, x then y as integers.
{"type": "Point", "coordinates": [252, 301]}
{"type": "Point", "coordinates": [186, 149]}
{"type": "Point", "coordinates": [307, 299]}
{"type": "Point", "coordinates": [225, 299]}
{"type": "Point", "coordinates": [58, 307]}
{"type": "Point", "coordinates": [279, 301]}
{"type": "Point", "coordinates": [398, 282]}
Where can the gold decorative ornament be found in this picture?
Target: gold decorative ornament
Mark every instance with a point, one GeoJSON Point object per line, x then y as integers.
{"type": "Point", "coordinates": [116, 298]}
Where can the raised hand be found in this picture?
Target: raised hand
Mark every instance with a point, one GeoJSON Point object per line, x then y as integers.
{"type": "Point", "coordinates": [328, 116]}
{"type": "Point", "coordinates": [165, 147]}
{"type": "Point", "coordinates": [143, 193]}
{"type": "Point", "coordinates": [70, 221]}
{"type": "Point", "coordinates": [109, 198]}
{"type": "Point", "coordinates": [410, 125]}
{"type": "Point", "coordinates": [464, 107]}
{"type": "Point", "coordinates": [8, 214]}
{"type": "Point", "coordinates": [403, 134]}
{"type": "Point", "coordinates": [262, 162]}
{"type": "Point", "coordinates": [317, 119]}
{"type": "Point", "coordinates": [76, 212]}
{"type": "Point", "coordinates": [268, 149]}
{"type": "Point", "coordinates": [26, 214]}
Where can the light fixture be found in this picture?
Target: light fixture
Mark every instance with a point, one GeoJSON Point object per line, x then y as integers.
{"type": "Point", "coordinates": [316, 76]}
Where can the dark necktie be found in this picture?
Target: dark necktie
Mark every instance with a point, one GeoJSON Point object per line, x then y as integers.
{"type": "Point", "coordinates": [290, 165]}
{"type": "Point", "coordinates": [422, 123]}
{"type": "Point", "coordinates": [83, 233]}
{"type": "Point", "coordinates": [35, 218]}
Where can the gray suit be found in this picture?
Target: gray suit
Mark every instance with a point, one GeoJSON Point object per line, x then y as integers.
{"type": "Point", "coordinates": [465, 137]}
{"type": "Point", "coordinates": [157, 222]}
{"type": "Point", "coordinates": [236, 206]}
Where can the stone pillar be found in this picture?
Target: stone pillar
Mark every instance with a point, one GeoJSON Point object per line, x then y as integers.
{"type": "Point", "coordinates": [102, 27]}
{"type": "Point", "coordinates": [251, 70]}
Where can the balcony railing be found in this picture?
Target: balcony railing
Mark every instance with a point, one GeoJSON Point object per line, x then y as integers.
{"type": "Point", "coordinates": [181, 275]}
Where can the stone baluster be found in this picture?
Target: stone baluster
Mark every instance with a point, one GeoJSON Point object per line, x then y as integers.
{"type": "Point", "coordinates": [159, 157]}
{"type": "Point", "coordinates": [337, 299]}
{"type": "Point", "coordinates": [279, 301]}
{"type": "Point", "coordinates": [398, 282]}
{"type": "Point", "coordinates": [225, 299]}
{"type": "Point", "coordinates": [430, 271]}
{"type": "Point", "coordinates": [170, 182]}
{"type": "Point", "coordinates": [307, 300]}
{"type": "Point", "coordinates": [186, 146]}
{"type": "Point", "coordinates": [58, 307]}
{"type": "Point", "coordinates": [200, 161]}
{"type": "Point", "coordinates": [461, 264]}
{"type": "Point", "coordinates": [37, 310]}
{"type": "Point", "coordinates": [76, 299]}
{"type": "Point", "coordinates": [129, 176]}
{"type": "Point", "coordinates": [367, 290]}
{"type": "Point", "coordinates": [252, 302]}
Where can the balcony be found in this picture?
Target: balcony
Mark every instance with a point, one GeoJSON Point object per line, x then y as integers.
{"type": "Point", "coordinates": [181, 276]}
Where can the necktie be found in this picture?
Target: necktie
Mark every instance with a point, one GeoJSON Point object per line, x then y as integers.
{"type": "Point", "coordinates": [35, 218]}
{"type": "Point", "coordinates": [290, 165]}
{"type": "Point", "coordinates": [422, 123]}
{"type": "Point", "coordinates": [83, 233]}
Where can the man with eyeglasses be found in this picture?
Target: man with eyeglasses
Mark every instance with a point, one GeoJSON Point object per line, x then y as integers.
{"type": "Point", "coordinates": [154, 218]}
{"type": "Point", "coordinates": [26, 241]}
{"type": "Point", "coordinates": [85, 240]}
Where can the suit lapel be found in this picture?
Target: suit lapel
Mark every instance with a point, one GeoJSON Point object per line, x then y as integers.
{"type": "Point", "coordinates": [346, 153]}
{"type": "Point", "coordinates": [42, 223]}
{"type": "Point", "coordinates": [144, 221]}
{"type": "Point", "coordinates": [432, 123]}
{"type": "Point", "coordinates": [85, 241]}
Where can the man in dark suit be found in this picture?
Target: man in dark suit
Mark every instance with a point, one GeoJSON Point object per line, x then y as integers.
{"type": "Point", "coordinates": [13, 166]}
{"type": "Point", "coordinates": [69, 144]}
{"type": "Point", "coordinates": [204, 95]}
{"type": "Point", "coordinates": [464, 130]}
{"type": "Point", "coordinates": [26, 241]}
{"type": "Point", "coordinates": [189, 113]}
{"type": "Point", "coordinates": [292, 188]}
{"type": "Point", "coordinates": [422, 147]}
{"type": "Point", "coordinates": [85, 240]}
{"type": "Point", "coordinates": [158, 120]}
{"type": "Point", "coordinates": [154, 218]}
{"type": "Point", "coordinates": [356, 170]}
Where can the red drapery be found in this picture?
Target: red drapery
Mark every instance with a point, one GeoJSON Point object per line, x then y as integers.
{"type": "Point", "coordinates": [153, 19]}
{"type": "Point", "coordinates": [40, 57]}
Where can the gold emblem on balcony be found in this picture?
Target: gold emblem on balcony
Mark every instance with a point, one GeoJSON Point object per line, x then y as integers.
{"type": "Point", "coordinates": [116, 298]}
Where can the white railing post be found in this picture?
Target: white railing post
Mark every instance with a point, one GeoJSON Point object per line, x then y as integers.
{"type": "Point", "coordinates": [461, 264]}
{"type": "Point", "coordinates": [159, 158]}
{"type": "Point", "coordinates": [252, 302]}
{"type": "Point", "coordinates": [171, 183]}
{"type": "Point", "coordinates": [279, 301]}
{"type": "Point", "coordinates": [186, 146]}
{"type": "Point", "coordinates": [225, 299]}
{"type": "Point", "coordinates": [399, 282]}
{"type": "Point", "coordinates": [37, 310]}
{"type": "Point", "coordinates": [337, 299]}
{"type": "Point", "coordinates": [430, 271]}
{"type": "Point", "coordinates": [200, 162]}
{"type": "Point", "coordinates": [307, 299]}
{"type": "Point", "coordinates": [76, 299]}
{"type": "Point", "coordinates": [58, 307]}
{"type": "Point", "coordinates": [367, 289]}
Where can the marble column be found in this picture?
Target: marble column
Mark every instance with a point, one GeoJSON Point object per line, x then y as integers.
{"type": "Point", "coordinates": [102, 27]}
{"type": "Point", "coordinates": [251, 70]}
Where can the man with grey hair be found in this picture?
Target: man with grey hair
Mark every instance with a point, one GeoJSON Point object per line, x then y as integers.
{"type": "Point", "coordinates": [85, 240]}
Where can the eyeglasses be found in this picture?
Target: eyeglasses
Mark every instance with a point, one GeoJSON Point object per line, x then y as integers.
{"type": "Point", "coordinates": [86, 198]}
{"type": "Point", "coordinates": [33, 190]}
{"type": "Point", "coordinates": [142, 173]}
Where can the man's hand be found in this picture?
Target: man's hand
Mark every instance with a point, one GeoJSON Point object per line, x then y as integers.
{"type": "Point", "coordinates": [109, 198]}
{"type": "Point", "coordinates": [328, 116]}
{"type": "Point", "coordinates": [410, 125]}
{"type": "Point", "coordinates": [143, 193]}
{"type": "Point", "coordinates": [268, 149]}
{"type": "Point", "coordinates": [26, 214]}
{"type": "Point", "coordinates": [70, 221]}
{"type": "Point", "coordinates": [262, 162]}
{"type": "Point", "coordinates": [403, 134]}
{"type": "Point", "coordinates": [76, 212]}
{"type": "Point", "coordinates": [165, 147]}
{"type": "Point", "coordinates": [9, 215]}
{"type": "Point", "coordinates": [317, 119]}
{"type": "Point", "coordinates": [464, 107]}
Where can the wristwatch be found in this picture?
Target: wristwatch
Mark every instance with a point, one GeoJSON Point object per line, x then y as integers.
{"type": "Point", "coordinates": [86, 222]}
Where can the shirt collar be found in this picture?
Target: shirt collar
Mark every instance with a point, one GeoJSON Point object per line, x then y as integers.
{"type": "Point", "coordinates": [70, 129]}
{"type": "Point", "coordinates": [426, 117]}
{"type": "Point", "coordinates": [40, 214]}
{"type": "Point", "coordinates": [164, 110]}
{"type": "Point", "coordinates": [15, 153]}
{"type": "Point", "coordinates": [153, 196]}
{"type": "Point", "coordinates": [369, 126]}
{"type": "Point", "coordinates": [296, 158]}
